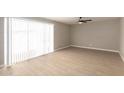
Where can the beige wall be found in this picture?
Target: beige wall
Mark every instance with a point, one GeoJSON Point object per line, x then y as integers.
{"type": "Point", "coordinates": [122, 38]}
{"type": "Point", "coordinates": [62, 35]}
{"type": "Point", "coordinates": [102, 34]}
{"type": "Point", "coordinates": [1, 41]}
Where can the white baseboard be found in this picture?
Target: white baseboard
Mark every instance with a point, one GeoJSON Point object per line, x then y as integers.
{"type": "Point", "coordinates": [95, 48]}
{"type": "Point", "coordinates": [61, 48]}
{"type": "Point", "coordinates": [122, 57]}
{"type": "Point", "coordinates": [1, 66]}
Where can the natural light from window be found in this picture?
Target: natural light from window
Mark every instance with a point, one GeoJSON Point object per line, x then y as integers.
{"type": "Point", "coordinates": [29, 39]}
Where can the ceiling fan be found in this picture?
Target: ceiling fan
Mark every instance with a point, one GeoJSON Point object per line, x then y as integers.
{"type": "Point", "coordinates": [81, 20]}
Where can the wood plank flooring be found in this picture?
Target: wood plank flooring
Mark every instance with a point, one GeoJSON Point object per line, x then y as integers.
{"type": "Point", "coordinates": [69, 62]}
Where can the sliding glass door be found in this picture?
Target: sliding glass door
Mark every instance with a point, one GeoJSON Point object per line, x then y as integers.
{"type": "Point", "coordinates": [29, 39]}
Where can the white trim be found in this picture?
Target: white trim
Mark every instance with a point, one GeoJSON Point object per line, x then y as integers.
{"type": "Point", "coordinates": [1, 66]}
{"type": "Point", "coordinates": [61, 48]}
{"type": "Point", "coordinates": [95, 48]}
{"type": "Point", "coordinates": [122, 57]}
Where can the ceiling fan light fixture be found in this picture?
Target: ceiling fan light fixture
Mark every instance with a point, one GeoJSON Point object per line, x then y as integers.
{"type": "Point", "coordinates": [80, 22]}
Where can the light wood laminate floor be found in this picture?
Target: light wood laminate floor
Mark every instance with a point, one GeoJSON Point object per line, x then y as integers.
{"type": "Point", "coordinates": [69, 62]}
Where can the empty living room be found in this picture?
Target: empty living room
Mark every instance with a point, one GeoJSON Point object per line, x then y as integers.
{"type": "Point", "coordinates": [61, 46]}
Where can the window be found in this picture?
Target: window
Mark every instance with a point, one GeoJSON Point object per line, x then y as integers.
{"type": "Point", "coordinates": [29, 39]}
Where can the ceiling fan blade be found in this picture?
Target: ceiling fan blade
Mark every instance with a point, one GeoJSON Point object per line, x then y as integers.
{"type": "Point", "coordinates": [85, 22]}
{"type": "Point", "coordinates": [82, 20]}
{"type": "Point", "coordinates": [88, 20]}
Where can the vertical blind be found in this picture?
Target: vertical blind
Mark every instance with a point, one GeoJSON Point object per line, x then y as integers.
{"type": "Point", "coordinates": [29, 39]}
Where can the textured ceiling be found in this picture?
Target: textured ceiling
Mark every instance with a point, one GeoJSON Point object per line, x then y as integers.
{"type": "Point", "coordinates": [73, 20]}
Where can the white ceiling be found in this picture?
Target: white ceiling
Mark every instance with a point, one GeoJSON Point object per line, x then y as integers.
{"type": "Point", "coordinates": [73, 20]}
